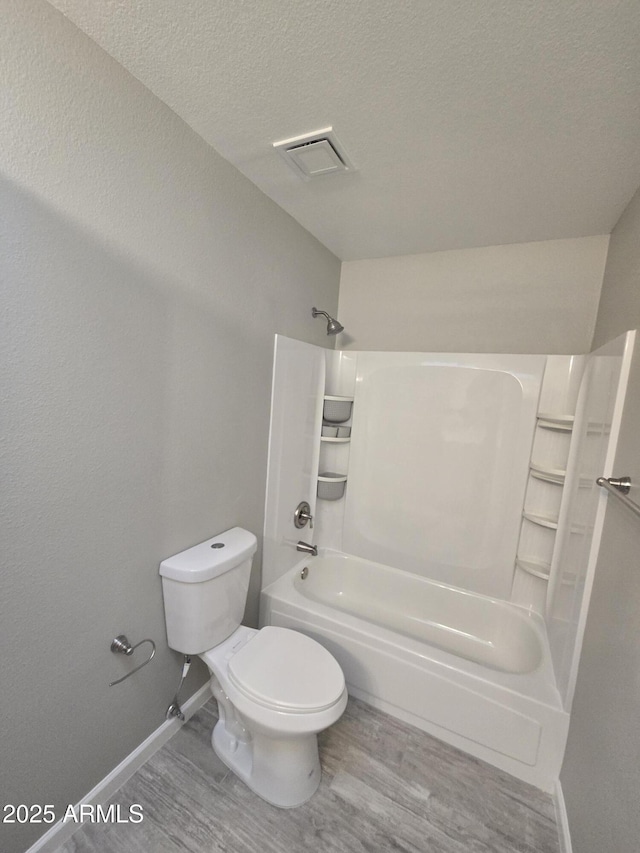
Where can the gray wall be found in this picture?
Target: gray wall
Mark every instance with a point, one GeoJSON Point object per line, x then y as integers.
{"type": "Point", "coordinates": [601, 773]}
{"type": "Point", "coordinates": [143, 279]}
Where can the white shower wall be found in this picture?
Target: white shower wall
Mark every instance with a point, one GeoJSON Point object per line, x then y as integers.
{"type": "Point", "coordinates": [294, 434]}
{"type": "Point", "coordinates": [337, 522]}
{"type": "Point", "coordinates": [597, 425]}
{"type": "Point", "coordinates": [442, 453]}
{"type": "Point", "coordinates": [438, 464]}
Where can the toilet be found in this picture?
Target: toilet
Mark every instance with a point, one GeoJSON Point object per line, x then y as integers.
{"type": "Point", "coordinates": [276, 688]}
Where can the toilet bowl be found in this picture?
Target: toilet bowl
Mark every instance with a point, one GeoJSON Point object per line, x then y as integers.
{"type": "Point", "coordinates": [276, 688]}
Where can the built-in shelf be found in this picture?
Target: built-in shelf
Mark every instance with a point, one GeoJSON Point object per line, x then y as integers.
{"type": "Point", "coordinates": [331, 486]}
{"type": "Point", "coordinates": [549, 475]}
{"type": "Point", "coordinates": [563, 423]}
{"type": "Point", "coordinates": [534, 567]}
{"type": "Point", "coordinates": [541, 520]}
{"type": "Point", "coordinates": [336, 410]}
{"type": "Point", "coordinates": [551, 447]}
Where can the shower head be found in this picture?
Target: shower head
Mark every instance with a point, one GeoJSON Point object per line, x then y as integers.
{"type": "Point", "coordinates": [333, 327]}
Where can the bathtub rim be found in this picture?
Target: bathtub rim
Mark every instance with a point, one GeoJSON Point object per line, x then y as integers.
{"type": "Point", "coordinates": [487, 621]}
{"type": "Point", "coordinates": [537, 685]}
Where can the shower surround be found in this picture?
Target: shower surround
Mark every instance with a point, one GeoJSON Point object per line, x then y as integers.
{"type": "Point", "coordinates": [454, 573]}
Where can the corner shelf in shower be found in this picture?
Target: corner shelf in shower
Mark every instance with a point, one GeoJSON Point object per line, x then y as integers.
{"type": "Point", "coordinates": [537, 568]}
{"type": "Point", "coordinates": [552, 438]}
{"type": "Point", "coordinates": [331, 440]}
{"type": "Point", "coordinates": [331, 486]}
{"type": "Point", "coordinates": [541, 520]}
{"type": "Point", "coordinates": [563, 423]}
{"type": "Point", "coordinates": [549, 475]}
{"type": "Point", "coordinates": [336, 410]}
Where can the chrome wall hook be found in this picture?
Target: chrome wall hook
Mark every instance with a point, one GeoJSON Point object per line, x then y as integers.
{"type": "Point", "coordinates": [121, 646]}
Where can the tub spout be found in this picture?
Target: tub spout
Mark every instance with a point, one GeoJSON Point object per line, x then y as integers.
{"type": "Point", "coordinates": [307, 549]}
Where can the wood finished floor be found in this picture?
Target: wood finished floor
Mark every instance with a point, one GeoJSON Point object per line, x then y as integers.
{"type": "Point", "coordinates": [386, 786]}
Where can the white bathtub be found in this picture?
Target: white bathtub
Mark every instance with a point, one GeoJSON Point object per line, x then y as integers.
{"type": "Point", "coordinates": [471, 670]}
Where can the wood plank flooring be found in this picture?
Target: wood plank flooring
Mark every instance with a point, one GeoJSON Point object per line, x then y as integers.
{"type": "Point", "coordinates": [386, 786]}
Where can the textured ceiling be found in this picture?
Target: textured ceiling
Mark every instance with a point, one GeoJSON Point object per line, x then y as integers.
{"type": "Point", "coordinates": [470, 124]}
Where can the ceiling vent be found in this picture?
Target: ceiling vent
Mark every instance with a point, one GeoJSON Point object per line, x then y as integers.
{"type": "Point", "coordinates": [314, 154]}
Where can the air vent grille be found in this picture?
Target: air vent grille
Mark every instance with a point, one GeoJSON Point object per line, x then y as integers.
{"type": "Point", "coordinates": [315, 154]}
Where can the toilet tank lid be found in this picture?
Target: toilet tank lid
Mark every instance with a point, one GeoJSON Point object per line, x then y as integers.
{"type": "Point", "coordinates": [211, 558]}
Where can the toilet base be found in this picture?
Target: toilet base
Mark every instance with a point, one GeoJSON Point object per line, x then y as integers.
{"type": "Point", "coordinates": [283, 771]}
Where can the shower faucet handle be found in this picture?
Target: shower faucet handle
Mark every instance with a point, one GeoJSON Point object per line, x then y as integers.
{"type": "Point", "coordinates": [302, 515]}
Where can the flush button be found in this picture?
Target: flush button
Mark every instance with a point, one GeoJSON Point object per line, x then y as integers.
{"type": "Point", "coordinates": [218, 545]}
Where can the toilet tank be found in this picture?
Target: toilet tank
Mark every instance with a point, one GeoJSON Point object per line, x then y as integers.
{"type": "Point", "coordinates": [205, 590]}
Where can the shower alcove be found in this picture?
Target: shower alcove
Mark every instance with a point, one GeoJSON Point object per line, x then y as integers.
{"type": "Point", "coordinates": [456, 559]}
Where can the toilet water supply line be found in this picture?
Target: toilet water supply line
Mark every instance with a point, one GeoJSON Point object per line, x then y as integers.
{"type": "Point", "coordinates": [174, 709]}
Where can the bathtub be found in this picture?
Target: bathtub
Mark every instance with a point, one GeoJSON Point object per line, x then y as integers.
{"type": "Point", "coordinates": [472, 670]}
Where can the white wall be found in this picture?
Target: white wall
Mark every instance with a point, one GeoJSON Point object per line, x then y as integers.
{"type": "Point", "coordinates": [619, 308]}
{"type": "Point", "coordinates": [143, 279]}
{"type": "Point", "coordinates": [524, 298]}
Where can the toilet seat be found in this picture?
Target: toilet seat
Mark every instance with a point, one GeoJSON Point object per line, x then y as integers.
{"type": "Point", "coordinates": [286, 671]}
{"type": "Point", "coordinates": [271, 717]}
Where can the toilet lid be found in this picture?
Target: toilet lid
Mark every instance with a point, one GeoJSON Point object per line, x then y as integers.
{"type": "Point", "coordinates": [286, 670]}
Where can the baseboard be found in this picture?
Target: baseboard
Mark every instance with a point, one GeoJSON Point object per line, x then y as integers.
{"type": "Point", "coordinates": [562, 819]}
{"type": "Point", "coordinates": [61, 832]}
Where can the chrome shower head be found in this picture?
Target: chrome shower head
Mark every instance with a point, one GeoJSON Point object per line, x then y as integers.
{"type": "Point", "coordinates": [333, 327]}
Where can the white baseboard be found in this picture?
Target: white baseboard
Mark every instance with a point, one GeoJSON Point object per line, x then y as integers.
{"type": "Point", "coordinates": [562, 819]}
{"type": "Point", "coordinates": [61, 832]}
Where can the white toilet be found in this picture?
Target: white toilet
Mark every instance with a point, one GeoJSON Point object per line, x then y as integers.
{"type": "Point", "coordinates": [276, 688]}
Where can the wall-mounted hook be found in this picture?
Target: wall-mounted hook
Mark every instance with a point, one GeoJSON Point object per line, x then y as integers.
{"type": "Point", "coordinates": [121, 646]}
